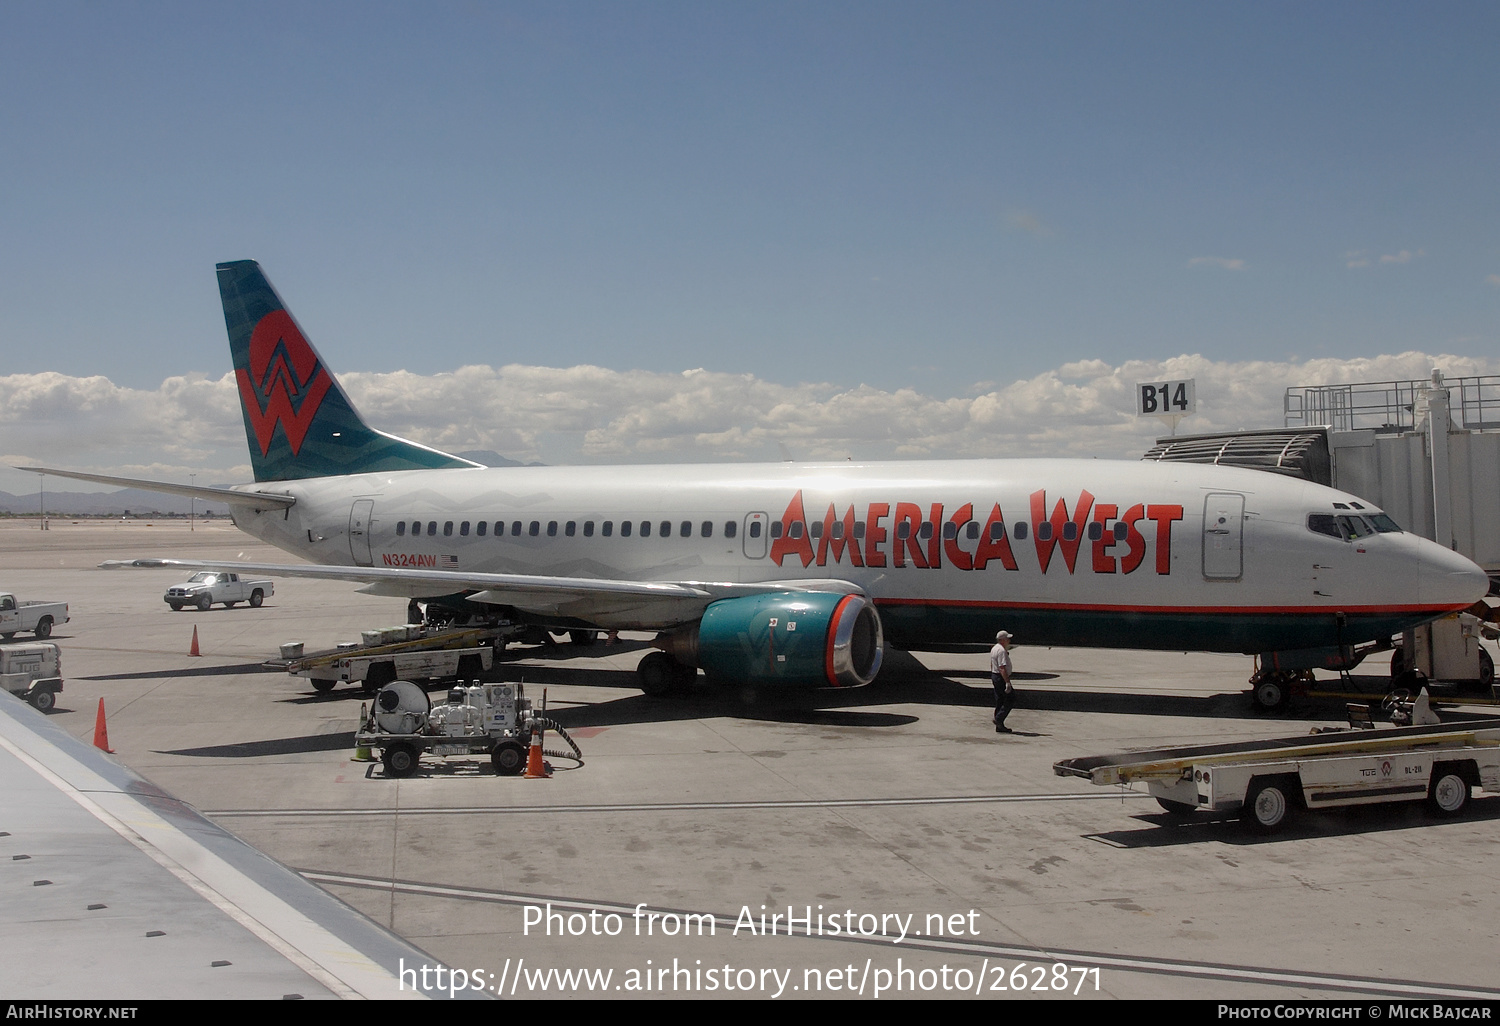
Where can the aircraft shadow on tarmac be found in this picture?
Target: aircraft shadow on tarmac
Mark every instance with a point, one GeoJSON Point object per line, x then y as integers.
{"type": "Point", "coordinates": [1166, 830]}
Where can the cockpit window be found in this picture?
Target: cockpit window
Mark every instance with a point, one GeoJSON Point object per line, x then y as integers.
{"type": "Point", "coordinates": [1384, 524]}
{"type": "Point", "coordinates": [1324, 523]}
{"type": "Point", "coordinates": [1355, 527]}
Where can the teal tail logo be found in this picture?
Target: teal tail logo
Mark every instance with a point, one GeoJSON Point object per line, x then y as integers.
{"type": "Point", "coordinates": [298, 421]}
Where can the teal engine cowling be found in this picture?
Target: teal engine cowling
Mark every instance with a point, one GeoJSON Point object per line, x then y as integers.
{"type": "Point", "coordinates": [811, 639]}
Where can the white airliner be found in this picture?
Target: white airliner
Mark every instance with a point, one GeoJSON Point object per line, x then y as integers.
{"type": "Point", "coordinates": [801, 573]}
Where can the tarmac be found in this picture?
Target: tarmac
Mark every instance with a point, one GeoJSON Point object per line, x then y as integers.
{"type": "Point", "coordinates": [916, 852]}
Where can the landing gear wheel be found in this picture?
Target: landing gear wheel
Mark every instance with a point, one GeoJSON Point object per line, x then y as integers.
{"type": "Point", "coordinates": [43, 699]}
{"type": "Point", "coordinates": [656, 673]}
{"type": "Point", "coordinates": [1267, 806]}
{"type": "Point", "coordinates": [256, 598]}
{"type": "Point", "coordinates": [204, 601]}
{"type": "Point", "coordinates": [508, 758]}
{"type": "Point", "coordinates": [400, 760]}
{"type": "Point", "coordinates": [1273, 694]}
{"type": "Point", "coordinates": [1181, 810]}
{"type": "Point", "coordinates": [322, 686]}
{"type": "Point", "coordinates": [1448, 794]}
{"type": "Point", "coordinates": [44, 628]}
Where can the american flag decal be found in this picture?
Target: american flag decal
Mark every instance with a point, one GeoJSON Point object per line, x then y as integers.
{"type": "Point", "coordinates": [448, 562]}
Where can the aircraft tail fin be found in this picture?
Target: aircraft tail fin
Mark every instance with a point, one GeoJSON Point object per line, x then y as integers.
{"type": "Point", "coordinates": [298, 420]}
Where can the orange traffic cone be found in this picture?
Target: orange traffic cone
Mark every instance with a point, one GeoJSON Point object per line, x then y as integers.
{"type": "Point", "coordinates": [536, 769]}
{"type": "Point", "coordinates": [101, 732]}
{"type": "Point", "coordinates": [194, 650]}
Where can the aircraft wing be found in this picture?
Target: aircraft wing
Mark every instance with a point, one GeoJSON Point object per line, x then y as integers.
{"type": "Point", "coordinates": [121, 891]}
{"type": "Point", "coordinates": [641, 605]}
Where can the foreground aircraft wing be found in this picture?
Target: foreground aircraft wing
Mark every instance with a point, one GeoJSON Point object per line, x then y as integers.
{"type": "Point", "coordinates": [117, 890]}
{"type": "Point", "coordinates": [644, 604]}
{"type": "Point", "coordinates": [232, 496]}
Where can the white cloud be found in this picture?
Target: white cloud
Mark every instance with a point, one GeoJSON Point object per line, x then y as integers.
{"type": "Point", "coordinates": [1362, 258]}
{"type": "Point", "coordinates": [1493, 279]}
{"type": "Point", "coordinates": [1227, 263]}
{"type": "Point", "coordinates": [591, 414]}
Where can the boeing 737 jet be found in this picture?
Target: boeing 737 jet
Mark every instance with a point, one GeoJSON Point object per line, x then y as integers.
{"type": "Point", "coordinates": [802, 573]}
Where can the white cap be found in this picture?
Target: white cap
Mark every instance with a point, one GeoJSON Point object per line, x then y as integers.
{"type": "Point", "coordinates": [1002, 636]}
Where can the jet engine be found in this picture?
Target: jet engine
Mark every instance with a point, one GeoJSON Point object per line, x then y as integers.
{"type": "Point", "coordinates": [812, 639]}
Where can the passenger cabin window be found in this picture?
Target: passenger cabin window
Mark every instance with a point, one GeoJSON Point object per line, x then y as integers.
{"type": "Point", "coordinates": [481, 527]}
{"type": "Point", "coordinates": [645, 528]}
{"type": "Point", "coordinates": [1020, 531]}
{"type": "Point", "coordinates": [570, 528]}
{"type": "Point", "coordinates": [608, 528]}
{"type": "Point", "coordinates": [552, 529]}
{"type": "Point", "coordinates": [1044, 531]}
{"type": "Point", "coordinates": [431, 527]}
{"type": "Point", "coordinates": [729, 528]}
{"type": "Point", "coordinates": [625, 527]}
{"type": "Point", "coordinates": [535, 528]}
{"type": "Point", "coordinates": [706, 528]}
{"type": "Point", "coordinates": [665, 529]}
{"type": "Point", "coordinates": [1070, 531]}
{"type": "Point", "coordinates": [972, 529]}
{"type": "Point", "coordinates": [448, 529]}
{"type": "Point", "coordinates": [588, 528]}
{"type": "Point", "coordinates": [775, 529]}
{"type": "Point", "coordinates": [1096, 531]}
{"type": "Point", "coordinates": [515, 528]}
{"type": "Point", "coordinates": [400, 528]}
{"type": "Point", "coordinates": [685, 529]}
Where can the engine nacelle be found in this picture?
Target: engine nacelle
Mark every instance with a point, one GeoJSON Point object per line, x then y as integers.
{"type": "Point", "coordinates": [812, 639]}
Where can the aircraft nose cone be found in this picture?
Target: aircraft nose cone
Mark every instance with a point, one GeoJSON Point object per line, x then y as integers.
{"type": "Point", "coordinates": [1452, 579]}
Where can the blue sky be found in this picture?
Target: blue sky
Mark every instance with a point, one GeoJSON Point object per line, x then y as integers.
{"type": "Point", "coordinates": [941, 196]}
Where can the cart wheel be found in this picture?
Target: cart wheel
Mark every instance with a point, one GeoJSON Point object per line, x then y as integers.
{"type": "Point", "coordinates": [1486, 669]}
{"type": "Point", "coordinates": [44, 699]}
{"type": "Point", "coordinates": [1181, 810]}
{"type": "Point", "coordinates": [400, 760]}
{"type": "Point", "coordinates": [1268, 805]}
{"type": "Point", "coordinates": [508, 758]}
{"type": "Point", "coordinates": [320, 685]}
{"type": "Point", "coordinates": [1448, 794]}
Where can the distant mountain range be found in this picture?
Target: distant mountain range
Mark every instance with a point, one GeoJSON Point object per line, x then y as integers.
{"type": "Point", "coordinates": [140, 502]}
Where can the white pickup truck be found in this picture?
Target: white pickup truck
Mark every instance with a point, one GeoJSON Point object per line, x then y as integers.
{"type": "Point", "coordinates": [38, 617]}
{"type": "Point", "coordinates": [209, 587]}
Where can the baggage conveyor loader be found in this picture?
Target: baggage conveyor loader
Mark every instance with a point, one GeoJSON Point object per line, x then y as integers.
{"type": "Point", "coordinates": [1268, 781]}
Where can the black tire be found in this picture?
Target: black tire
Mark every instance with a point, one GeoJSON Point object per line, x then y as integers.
{"type": "Point", "coordinates": [1273, 694]}
{"type": "Point", "coordinates": [508, 758]}
{"type": "Point", "coordinates": [378, 676]}
{"type": "Point", "coordinates": [1486, 669]}
{"type": "Point", "coordinates": [400, 759]}
{"type": "Point", "coordinates": [1398, 664]}
{"type": "Point", "coordinates": [44, 699]}
{"type": "Point", "coordinates": [44, 628]}
{"type": "Point", "coordinates": [1181, 810]}
{"type": "Point", "coordinates": [583, 639]}
{"type": "Point", "coordinates": [176, 606]}
{"type": "Point", "coordinates": [655, 673]}
{"type": "Point", "coordinates": [1269, 803]}
{"type": "Point", "coordinates": [322, 686]}
{"type": "Point", "coordinates": [204, 601]}
{"type": "Point", "coordinates": [683, 677]}
{"type": "Point", "coordinates": [256, 598]}
{"type": "Point", "coordinates": [1448, 793]}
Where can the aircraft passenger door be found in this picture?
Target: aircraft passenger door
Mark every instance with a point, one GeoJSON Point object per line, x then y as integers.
{"type": "Point", "coordinates": [359, 531]}
{"type": "Point", "coordinates": [1223, 536]}
{"type": "Point", "coordinates": [757, 535]}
